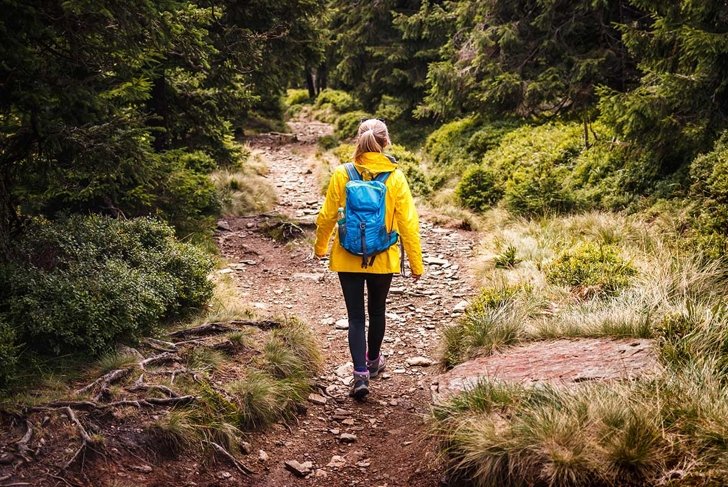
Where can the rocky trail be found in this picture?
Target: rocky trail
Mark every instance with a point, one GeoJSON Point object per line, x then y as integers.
{"type": "Point", "coordinates": [339, 441]}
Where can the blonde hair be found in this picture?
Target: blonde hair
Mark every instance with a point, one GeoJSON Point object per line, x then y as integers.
{"type": "Point", "coordinates": [373, 136]}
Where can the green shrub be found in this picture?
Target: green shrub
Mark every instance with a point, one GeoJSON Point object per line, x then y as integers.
{"type": "Point", "coordinates": [344, 153]}
{"type": "Point", "coordinates": [339, 101]}
{"type": "Point", "coordinates": [347, 124]}
{"type": "Point", "coordinates": [507, 259]}
{"type": "Point", "coordinates": [8, 353]}
{"type": "Point", "coordinates": [411, 165]}
{"type": "Point", "coordinates": [478, 189]}
{"type": "Point", "coordinates": [598, 269]}
{"type": "Point", "coordinates": [465, 141]}
{"type": "Point", "coordinates": [296, 97]}
{"type": "Point", "coordinates": [83, 283]}
{"type": "Point", "coordinates": [537, 191]}
{"type": "Point", "coordinates": [328, 142]}
{"type": "Point", "coordinates": [709, 175]}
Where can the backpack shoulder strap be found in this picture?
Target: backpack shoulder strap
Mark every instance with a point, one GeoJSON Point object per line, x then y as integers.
{"type": "Point", "coordinates": [383, 176]}
{"type": "Point", "coordinates": [352, 172]}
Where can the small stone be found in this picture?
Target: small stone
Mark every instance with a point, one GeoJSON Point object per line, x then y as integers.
{"type": "Point", "coordinates": [347, 437]}
{"type": "Point", "coordinates": [223, 225]}
{"type": "Point", "coordinates": [461, 306]}
{"type": "Point", "coordinates": [393, 402]}
{"type": "Point", "coordinates": [263, 456]}
{"type": "Point", "coordinates": [334, 431]}
{"type": "Point", "coordinates": [342, 324]}
{"type": "Point", "coordinates": [226, 270]}
{"type": "Point", "coordinates": [399, 371]}
{"type": "Point", "coordinates": [396, 290]}
{"type": "Point", "coordinates": [419, 361]}
{"type": "Point", "coordinates": [249, 225]}
{"type": "Point", "coordinates": [317, 398]}
{"type": "Point", "coordinates": [224, 475]}
{"type": "Point", "coordinates": [344, 370]}
{"type": "Point", "coordinates": [320, 473]}
{"type": "Point", "coordinates": [327, 321]}
{"type": "Point", "coordinates": [364, 463]}
{"type": "Point", "coordinates": [245, 447]}
{"type": "Point", "coordinates": [337, 461]}
{"type": "Point", "coordinates": [300, 469]}
{"type": "Point", "coordinates": [349, 422]}
{"type": "Point", "coordinates": [141, 468]}
{"type": "Point", "coordinates": [435, 261]}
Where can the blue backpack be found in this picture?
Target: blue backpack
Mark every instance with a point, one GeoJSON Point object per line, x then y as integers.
{"type": "Point", "coordinates": [363, 230]}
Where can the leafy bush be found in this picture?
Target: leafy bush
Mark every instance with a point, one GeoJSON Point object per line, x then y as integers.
{"type": "Point", "coordinates": [296, 97]}
{"type": "Point", "coordinates": [347, 124]}
{"type": "Point", "coordinates": [411, 165]}
{"type": "Point", "coordinates": [8, 352]}
{"type": "Point", "coordinates": [709, 175]}
{"type": "Point", "coordinates": [537, 191]}
{"type": "Point", "coordinates": [465, 140]}
{"type": "Point", "coordinates": [344, 153]}
{"type": "Point", "coordinates": [83, 283]}
{"type": "Point", "coordinates": [328, 142]}
{"type": "Point", "coordinates": [339, 101]}
{"type": "Point", "coordinates": [478, 189]}
{"type": "Point", "coordinates": [598, 269]}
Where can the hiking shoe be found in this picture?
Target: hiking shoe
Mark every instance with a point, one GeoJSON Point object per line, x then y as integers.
{"type": "Point", "coordinates": [375, 367]}
{"type": "Point", "coordinates": [360, 387]}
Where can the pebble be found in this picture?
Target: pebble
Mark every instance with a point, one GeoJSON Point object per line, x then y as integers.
{"type": "Point", "coordinates": [342, 324]}
{"type": "Point", "coordinates": [317, 398]}
{"type": "Point", "coordinates": [419, 361]}
{"type": "Point", "coordinates": [263, 456]}
{"type": "Point", "coordinates": [461, 306]}
{"type": "Point", "coordinates": [300, 469]}
{"type": "Point", "coordinates": [347, 437]}
{"type": "Point", "coordinates": [337, 461]}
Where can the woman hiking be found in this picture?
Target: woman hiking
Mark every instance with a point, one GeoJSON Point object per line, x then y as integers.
{"type": "Point", "coordinates": [361, 255]}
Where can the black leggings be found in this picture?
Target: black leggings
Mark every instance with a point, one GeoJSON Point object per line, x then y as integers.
{"type": "Point", "coordinates": [352, 284]}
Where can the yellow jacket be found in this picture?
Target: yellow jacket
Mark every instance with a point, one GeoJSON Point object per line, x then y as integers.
{"type": "Point", "coordinates": [400, 209]}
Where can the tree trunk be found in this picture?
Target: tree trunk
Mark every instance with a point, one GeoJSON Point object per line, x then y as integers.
{"type": "Point", "coordinates": [310, 83]}
{"type": "Point", "coordinates": [321, 78]}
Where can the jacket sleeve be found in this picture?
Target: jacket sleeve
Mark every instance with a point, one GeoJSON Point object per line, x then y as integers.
{"type": "Point", "coordinates": [408, 225]}
{"type": "Point", "coordinates": [327, 216]}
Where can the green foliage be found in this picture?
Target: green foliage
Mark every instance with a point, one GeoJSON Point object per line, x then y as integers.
{"type": "Point", "coordinates": [465, 141]}
{"type": "Point", "coordinates": [347, 124]}
{"type": "Point", "coordinates": [526, 58]}
{"type": "Point", "coordinates": [411, 165]}
{"type": "Point", "coordinates": [600, 269]}
{"type": "Point", "coordinates": [263, 398]}
{"type": "Point", "coordinates": [8, 353]}
{"type": "Point", "coordinates": [296, 97]}
{"type": "Point", "coordinates": [344, 153]}
{"type": "Point", "coordinates": [709, 175]}
{"type": "Point", "coordinates": [507, 259]}
{"type": "Point", "coordinates": [380, 52]}
{"type": "Point", "coordinates": [328, 142]}
{"type": "Point", "coordinates": [678, 107]}
{"type": "Point", "coordinates": [339, 101]}
{"type": "Point", "coordinates": [86, 282]}
{"type": "Point", "coordinates": [478, 189]}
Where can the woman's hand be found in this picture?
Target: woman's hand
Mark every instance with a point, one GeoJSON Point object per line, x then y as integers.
{"type": "Point", "coordinates": [415, 277]}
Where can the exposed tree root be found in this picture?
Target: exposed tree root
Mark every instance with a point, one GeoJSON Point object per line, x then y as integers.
{"type": "Point", "coordinates": [162, 358]}
{"type": "Point", "coordinates": [87, 441]}
{"type": "Point", "coordinates": [240, 466]}
{"type": "Point", "coordinates": [22, 445]}
{"type": "Point", "coordinates": [140, 385]}
{"type": "Point", "coordinates": [227, 327]}
{"type": "Point", "coordinates": [160, 345]}
{"type": "Point", "coordinates": [106, 380]}
{"type": "Point", "coordinates": [90, 405]}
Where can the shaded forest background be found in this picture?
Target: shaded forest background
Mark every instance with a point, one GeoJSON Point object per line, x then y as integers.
{"type": "Point", "coordinates": [114, 116]}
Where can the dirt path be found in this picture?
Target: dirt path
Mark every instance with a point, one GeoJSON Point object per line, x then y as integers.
{"type": "Point", "coordinates": [388, 447]}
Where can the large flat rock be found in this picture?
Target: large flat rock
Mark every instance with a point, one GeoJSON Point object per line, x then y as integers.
{"type": "Point", "coordinates": [557, 362]}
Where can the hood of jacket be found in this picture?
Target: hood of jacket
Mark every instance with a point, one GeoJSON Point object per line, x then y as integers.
{"type": "Point", "coordinates": [375, 162]}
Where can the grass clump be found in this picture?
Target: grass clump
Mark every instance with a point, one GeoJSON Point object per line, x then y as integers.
{"type": "Point", "coordinates": [595, 269]}
{"type": "Point", "coordinates": [245, 190]}
{"type": "Point", "coordinates": [263, 398]}
{"type": "Point", "coordinates": [492, 321]}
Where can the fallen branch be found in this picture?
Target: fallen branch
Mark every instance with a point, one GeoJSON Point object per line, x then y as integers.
{"type": "Point", "coordinates": [242, 468]}
{"type": "Point", "coordinates": [85, 437]}
{"type": "Point", "coordinates": [106, 380]}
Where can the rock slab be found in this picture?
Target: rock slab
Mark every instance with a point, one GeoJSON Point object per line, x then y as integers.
{"type": "Point", "coordinates": [557, 362]}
